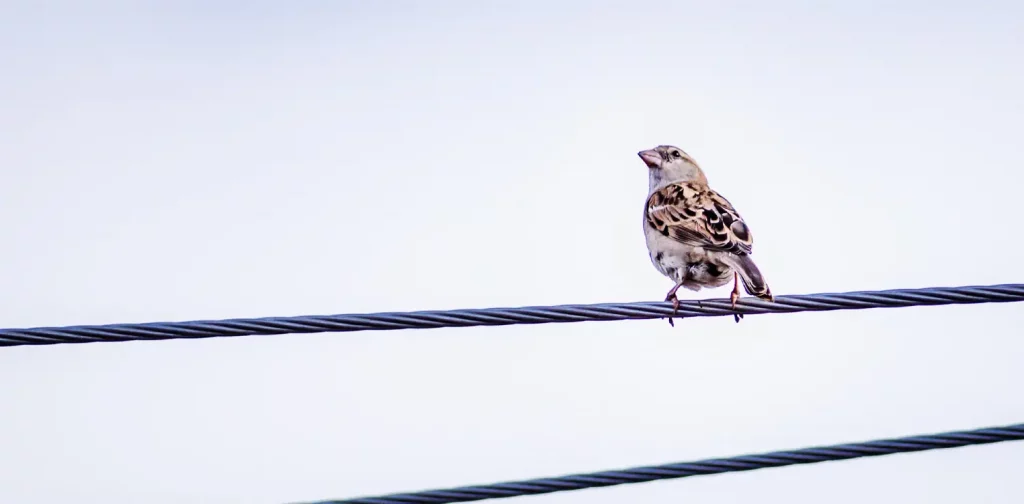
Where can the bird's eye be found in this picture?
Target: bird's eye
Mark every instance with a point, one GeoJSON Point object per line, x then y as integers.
{"type": "Point", "coordinates": [676, 153]}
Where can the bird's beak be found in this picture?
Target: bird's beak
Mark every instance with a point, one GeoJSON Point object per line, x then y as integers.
{"type": "Point", "coordinates": [651, 158]}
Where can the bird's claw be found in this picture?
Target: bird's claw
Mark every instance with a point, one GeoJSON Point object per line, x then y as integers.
{"type": "Point", "coordinates": [734, 298]}
{"type": "Point", "coordinates": [675, 308]}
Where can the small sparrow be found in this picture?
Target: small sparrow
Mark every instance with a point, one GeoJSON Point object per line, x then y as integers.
{"type": "Point", "coordinates": [695, 237]}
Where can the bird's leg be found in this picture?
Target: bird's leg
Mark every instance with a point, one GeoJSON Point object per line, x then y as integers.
{"type": "Point", "coordinates": [735, 296]}
{"type": "Point", "coordinates": [671, 296]}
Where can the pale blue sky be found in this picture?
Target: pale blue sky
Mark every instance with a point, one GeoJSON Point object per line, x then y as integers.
{"type": "Point", "coordinates": [187, 160]}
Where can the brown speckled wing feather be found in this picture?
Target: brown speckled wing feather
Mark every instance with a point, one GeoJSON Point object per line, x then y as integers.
{"type": "Point", "coordinates": [696, 215]}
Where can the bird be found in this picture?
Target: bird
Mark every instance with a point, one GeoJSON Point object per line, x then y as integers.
{"type": "Point", "coordinates": [695, 237]}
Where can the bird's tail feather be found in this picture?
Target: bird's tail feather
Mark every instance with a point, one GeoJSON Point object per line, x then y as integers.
{"type": "Point", "coordinates": [753, 282]}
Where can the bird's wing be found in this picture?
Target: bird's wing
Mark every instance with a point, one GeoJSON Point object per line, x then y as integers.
{"type": "Point", "coordinates": [696, 215]}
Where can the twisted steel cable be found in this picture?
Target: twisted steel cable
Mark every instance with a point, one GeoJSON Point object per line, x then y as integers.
{"type": "Point", "coordinates": [711, 466]}
{"type": "Point", "coordinates": [506, 316]}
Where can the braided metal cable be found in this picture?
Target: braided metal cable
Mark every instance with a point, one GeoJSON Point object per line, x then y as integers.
{"type": "Point", "coordinates": [712, 466]}
{"type": "Point", "coordinates": [506, 316]}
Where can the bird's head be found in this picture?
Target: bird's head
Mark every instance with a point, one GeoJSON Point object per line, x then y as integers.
{"type": "Point", "coordinates": [667, 163]}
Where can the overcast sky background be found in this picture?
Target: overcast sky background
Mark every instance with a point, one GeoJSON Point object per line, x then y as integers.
{"type": "Point", "coordinates": [190, 160]}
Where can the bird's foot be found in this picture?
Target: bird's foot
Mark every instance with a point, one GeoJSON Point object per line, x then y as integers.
{"type": "Point", "coordinates": [675, 307]}
{"type": "Point", "coordinates": [734, 297]}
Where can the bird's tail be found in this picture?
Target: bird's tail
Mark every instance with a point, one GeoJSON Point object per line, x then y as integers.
{"type": "Point", "coordinates": [753, 282]}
